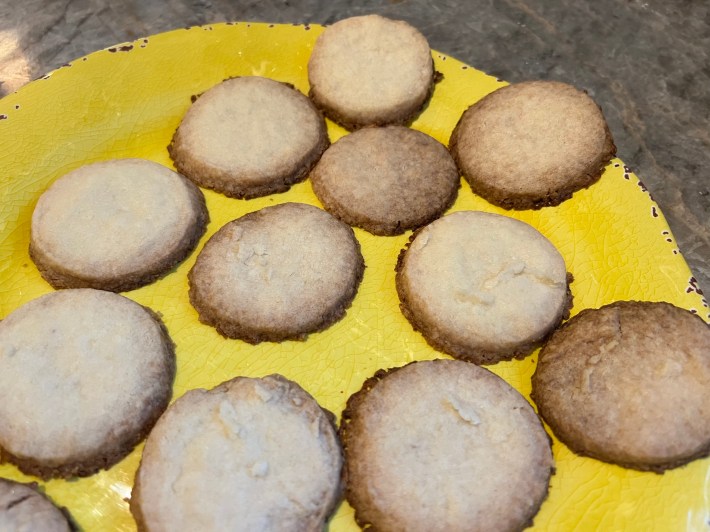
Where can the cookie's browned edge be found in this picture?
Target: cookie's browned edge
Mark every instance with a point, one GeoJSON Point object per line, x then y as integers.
{"type": "Point", "coordinates": [111, 454]}
{"type": "Point", "coordinates": [403, 118]}
{"type": "Point", "coordinates": [71, 524]}
{"type": "Point", "coordinates": [59, 277]}
{"type": "Point", "coordinates": [525, 201]}
{"type": "Point", "coordinates": [579, 450]}
{"type": "Point", "coordinates": [439, 340]}
{"type": "Point", "coordinates": [220, 181]}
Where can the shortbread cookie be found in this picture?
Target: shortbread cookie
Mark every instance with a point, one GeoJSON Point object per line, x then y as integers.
{"type": "Point", "coordinates": [628, 384]}
{"type": "Point", "coordinates": [482, 287]}
{"type": "Point", "coordinates": [370, 70]}
{"type": "Point", "coordinates": [24, 508]}
{"type": "Point", "coordinates": [443, 445]}
{"type": "Point", "coordinates": [251, 454]}
{"type": "Point", "coordinates": [85, 375]}
{"type": "Point", "coordinates": [532, 144]}
{"type": "Point", "coordinates": [386, 180]}
{"type": "Point", "coordinates": [276, 274]}
{"type": "Point", "coordinates": [249, 136]}
{"type": "Point", "coordinates": [115, 225]}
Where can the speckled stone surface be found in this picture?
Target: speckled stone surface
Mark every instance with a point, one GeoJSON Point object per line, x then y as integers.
{"type": "Point", "coordinates": [647, 63]}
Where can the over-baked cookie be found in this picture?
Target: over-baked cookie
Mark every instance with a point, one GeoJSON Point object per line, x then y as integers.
{"type": "Point", "coordinates": [249, 136]}
{"type": "Point", "coordinates": [443, 445]}
{"type": "Point", "coordinates": [386, 180]}
{"type": "Point", "coordinates": [531, 145]}
{"type": "Point", "coordinates": [371, 70]}
{"type": "Point", "coordinates": [85, 374]}
{"type": "Point", "coordinates": [115, 225]}
{"type": "Point", "coordinates": [251, 454]}
{"type": "Point", "coordinates": [628, 384]}
{"type": "Point", "coordinates": [482, 287]}
{"type": "Point", "coordinates": [276, 274]}
{"type": "Point", "coordinates": [24, 508]}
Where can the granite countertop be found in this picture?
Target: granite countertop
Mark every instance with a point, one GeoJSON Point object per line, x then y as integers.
{"type": "Point", "coordinates": [647, 63]}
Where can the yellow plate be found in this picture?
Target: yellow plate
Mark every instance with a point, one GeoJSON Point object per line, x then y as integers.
{"type": "Point", "coordinates": [126, 101]}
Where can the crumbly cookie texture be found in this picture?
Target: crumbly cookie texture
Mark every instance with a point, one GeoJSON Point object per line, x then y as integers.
{"type": "Point", "coordinates": [482, 287]}
{"type": "Point", "coordinates": [371, 70]}
{"type": "Point", "coordinates": [249, 136]}
{"type": "Point", "coordinates": [24, 507]}
{"type": "Point", "coordinates": [628, 384]}
{"type": "Point", "coordinates": [85, 375]}
{"type": "Point", "coordinates": [115, 225]}
{"type": "Point", "coordinates": [279, 273]}
{"type": "Point", "coordinates": [444, 445]}
{"type": "Point", "coordinates": [386, 180]}
{"type": "Point", "coordinates": [533, 144]}
{"type": "Point", "coordinates": [251, 454]}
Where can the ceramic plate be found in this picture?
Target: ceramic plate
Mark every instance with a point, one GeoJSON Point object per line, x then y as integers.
{"type": "Point", "coordinates": [127, 100]}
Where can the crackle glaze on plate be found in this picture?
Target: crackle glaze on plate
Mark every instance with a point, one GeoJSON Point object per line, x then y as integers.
{"type": "Point", "coordinates": [127, 100]}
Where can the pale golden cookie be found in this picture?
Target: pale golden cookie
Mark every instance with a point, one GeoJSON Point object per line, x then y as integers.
{"type": "Point", "coordinates": [251, 454]}
{"type": "Point", "coordinates": [85, 375]}
{"type": "Point", "coordinates": [371, 70]}
{"type": "Point", "coordinates": [115, 225]}
{"type": "Point", "coordinates": [532, 144]}
{"type": "Point", "coordinates": [482, 287]}
{"type": "Point", "coordinates": [248, 137]}
{"type": "Point", "coordinates": [443, 445]}
{"type": "Point", "coordinates": [276, 274]}
{"type": "Point", "coordinates": [24, 508]}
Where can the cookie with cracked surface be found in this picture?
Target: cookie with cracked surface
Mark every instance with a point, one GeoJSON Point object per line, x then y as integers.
{"type": "Point", "coordinates": [482, 287]}
{"type": "Point", "coordinates": [444, 445]}
{"type": "Point", "coordinates": [532, 144]}
{"type": "Point", "coordinates": [24, 507]}
{"type": "Point", "coordinates": [628, 384]}
{"type": "Point", "coordinates": [386, 180]}
{"type": "Point", "coordinates": [248, 137]}
{"type": "Point", "coordinates": [115, 225]}
{"type": "Point", "coordinates": [371, 70]}
{"type": "Point", "coordinates": [85, 374]}
{"type": "Point", "coordinates": [276, 274]}
{"type": "Point", "coordinates": [250, 454]}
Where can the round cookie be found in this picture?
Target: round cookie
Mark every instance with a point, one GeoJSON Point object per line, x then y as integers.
{"type": "Point", "coordinates": [115, 225]}
{"type": "Point", "coordinates": [248, 137]}
{"type": "Point", "coordinates": [386, 180]}
{"type": "Point", "coordinates": [24, 508]}
{"type": "Point", "coordinates": [443, 445]}
{"type": "Point", "coordinates": [371, 70]}
{"type": "Point", "coordinates": [628, 384]}
{"type": "Point", "coordinates": [276, 274]}
{"type": "Point", "coordinates": [251, 454]}
{"type": "Point", "coordinates": [482, 287]}
{"type": "Point", "coordinates": [531, 145]}
{"type": "Point", "coordinates": [85, 375]}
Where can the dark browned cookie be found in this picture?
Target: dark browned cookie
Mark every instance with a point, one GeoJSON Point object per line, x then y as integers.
{"type": "Point", "coordinates": [628, 384]}
{"type": "Point", "coordinates": [24, 508]}
{"type": "Point", "coordinates": [482, 287]}
{"type": "Point", "coordinates": [371, 70]}
{"type": "Point", "coordinates": [115, 225]}
{"type": "Point", "coordinates": [443, 445]}
{"type": "Point", "coordinates": [386, 180]}
{"type": "Point", "coordinates": [276, 274]}
{"type": "Point", "coordinates": [532, 144]}
{"type": "Point", "coordinates": [249, 136]}
{"type": "Point", "coordinates": [250, 454]}
{"type": "Point", "coordinates": [85, 374]}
